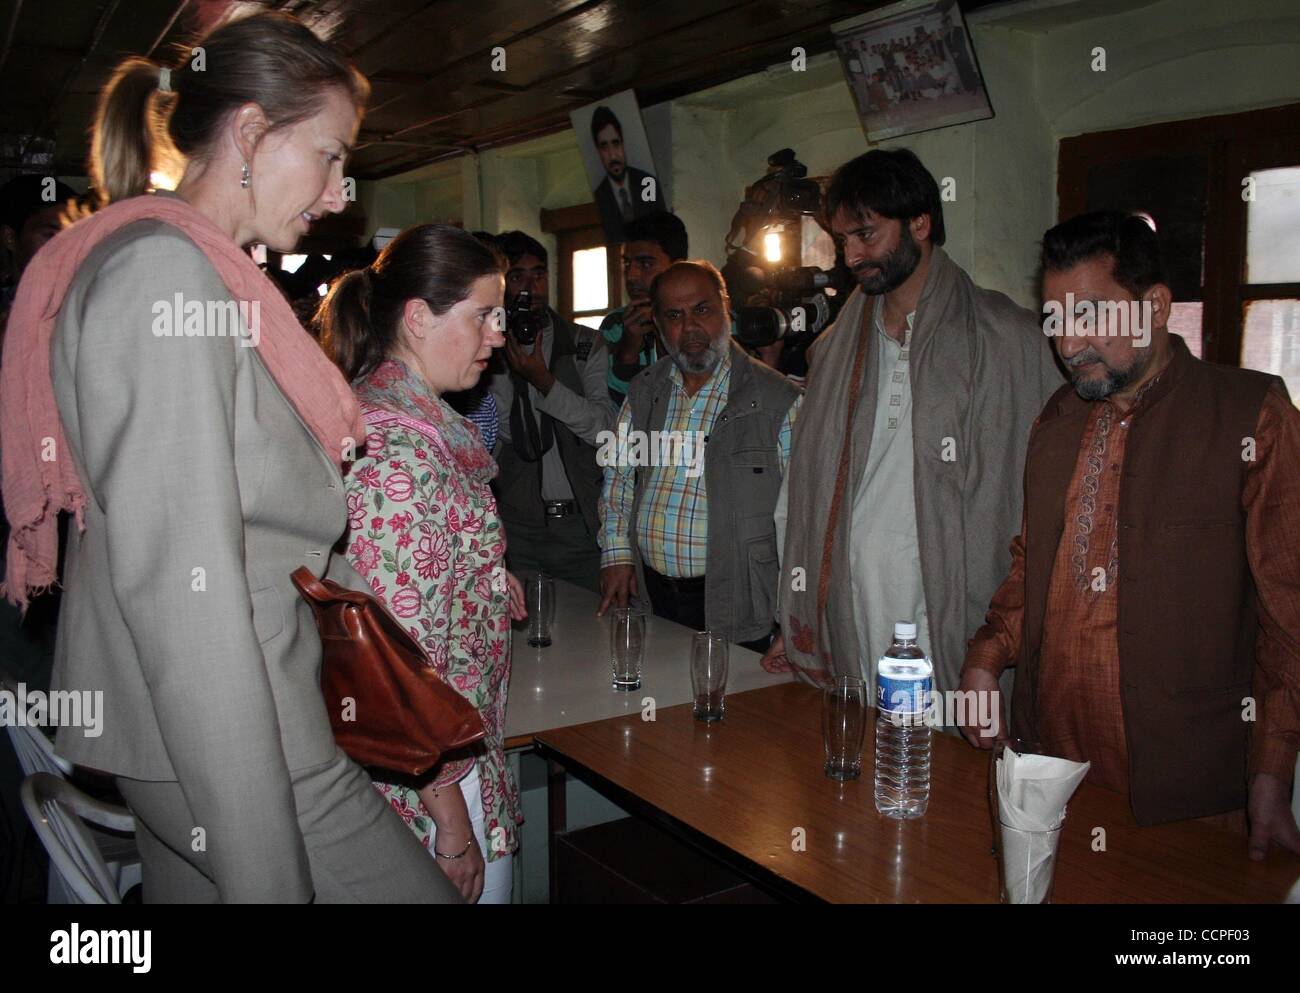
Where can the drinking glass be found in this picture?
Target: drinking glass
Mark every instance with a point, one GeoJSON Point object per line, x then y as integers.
{"type": "Point", "coordinates": [627, 647]}
{"type": "Point", "coordinates": [1021, 746]}
{"type": "Point", "coordinates": [540, 596]}
{"type": "Point", "coordinates": [1026, 864]}
{"type": "Point", "coordinates": [844, 725]}
{"type": "Point", "coordinates": [709, 675]}
{"type": "Point", "coordinates": [1026, 859]}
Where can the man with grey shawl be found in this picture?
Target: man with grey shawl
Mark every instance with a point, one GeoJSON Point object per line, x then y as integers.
{"type": "Point", "coordinates": [905, 480]}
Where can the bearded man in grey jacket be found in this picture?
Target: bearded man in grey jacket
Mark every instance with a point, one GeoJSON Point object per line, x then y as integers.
{"type": "Point", "coordinates": [904, 487]}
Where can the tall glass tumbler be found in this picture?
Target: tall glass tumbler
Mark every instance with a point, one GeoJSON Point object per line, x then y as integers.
{"type": "Point", "coordinates": [540, 596]}
{"type": "Point", "coordinates": [627, 647]}
{"type": "Point", "coordinates": [1021, 746]}
{"type": "Point", "coordinates": [844, 726]}
{"type": "Point", "coordinates": [709, 675]}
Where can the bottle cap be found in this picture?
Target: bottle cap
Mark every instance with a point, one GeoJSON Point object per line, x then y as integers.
{"type": "Point", "coordinates": [904, 629]}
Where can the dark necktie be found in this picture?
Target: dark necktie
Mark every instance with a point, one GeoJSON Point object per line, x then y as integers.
{"type": "Point", "coordinates": [626, 203]}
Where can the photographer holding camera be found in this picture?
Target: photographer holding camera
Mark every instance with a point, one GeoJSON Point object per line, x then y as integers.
{"type": "Point", "coordinates": [552, 401]}
{"type": "Point", "coordinates": [654, 242]}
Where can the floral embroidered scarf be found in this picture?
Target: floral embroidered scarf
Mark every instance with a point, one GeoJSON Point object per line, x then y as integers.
{"type": "Point", "coordinates": [392, 386]}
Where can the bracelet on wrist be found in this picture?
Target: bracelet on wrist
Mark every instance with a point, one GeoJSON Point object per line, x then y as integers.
{"type": "Point", "coordinates": [460, 854]}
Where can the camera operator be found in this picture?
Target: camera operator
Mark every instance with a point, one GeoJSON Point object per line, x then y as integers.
{"type": "Point", "coordinates": [654, 242]}
{"type": "Point", "coordinates": [552, 401]}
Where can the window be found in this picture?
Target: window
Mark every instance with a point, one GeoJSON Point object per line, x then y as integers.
{"type": "Point", "coordinates": [589, 273]}
{"type": "Point", "coordinates": [1224, 193]}
{"type": "Point", "coordinates": [1270, 337]}
{"type": "Point", "coordinates": [590, 286]}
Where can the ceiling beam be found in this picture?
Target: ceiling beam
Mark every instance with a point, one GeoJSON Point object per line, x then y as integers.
{"type": "Point", "coordinates": [595, 61]}
{"type": "Point", "coordinates": [555, 119]}
{"type": "Point", "coordinates": [480, 54]}
{"type": "Point", "coordinates": [96, 36]}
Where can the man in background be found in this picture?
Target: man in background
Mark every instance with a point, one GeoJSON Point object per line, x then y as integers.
{"type": "Point", "coordinates": [552, 402]}
{"type": "Point", "coordinates": [654, 242]}
{"type": "Point", "coordinates": [31, 213]}
{"type": "Point", "coordinates": [692, 531]}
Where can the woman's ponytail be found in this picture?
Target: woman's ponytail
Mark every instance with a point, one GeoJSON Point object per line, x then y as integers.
{"type": "Point", "coordinates": [346, 333]}
{"type": "Point", "coordinates": [127, 134]}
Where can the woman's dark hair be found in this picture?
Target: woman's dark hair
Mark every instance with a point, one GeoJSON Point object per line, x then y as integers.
{"type": "Point", "coordinates": [361, 317]}
{"type": "Point", "coordinates": [272, 60]}
{"type": "Point", "coordinates": [1125, 238]}
{"type": "Point", "coordinates": [892, 183]}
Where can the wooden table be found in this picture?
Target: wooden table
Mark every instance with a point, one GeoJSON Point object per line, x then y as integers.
{"type": "Point", "coordinates": [747, 788]}
{"type": "Point", "coordinates": [569, 682]}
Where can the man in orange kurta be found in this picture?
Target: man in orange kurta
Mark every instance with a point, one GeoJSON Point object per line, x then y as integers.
{"type": "Point", "coordinates": [1152, 608]}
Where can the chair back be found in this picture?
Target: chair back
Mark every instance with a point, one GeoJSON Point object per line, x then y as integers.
{"type": "Point", "coordinates": [35, 750]}
{"type": "Point", "coordinates": [58, 812]}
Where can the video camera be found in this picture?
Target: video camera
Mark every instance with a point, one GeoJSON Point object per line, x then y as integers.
{"type": "Point", "coordinates": [776, 300]}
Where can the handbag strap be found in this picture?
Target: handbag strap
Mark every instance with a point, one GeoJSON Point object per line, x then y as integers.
{"type": "Point", "coordinates": [313, 590]}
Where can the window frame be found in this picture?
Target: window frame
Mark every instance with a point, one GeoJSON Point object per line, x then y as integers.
{"type": "Point", "coordinates": [578, 228]}
{"type": "Point", "coordinates": [1235, 145]}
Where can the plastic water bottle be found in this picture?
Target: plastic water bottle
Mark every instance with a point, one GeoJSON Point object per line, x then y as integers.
{"type": "Point", "coordinates": [904, 682]}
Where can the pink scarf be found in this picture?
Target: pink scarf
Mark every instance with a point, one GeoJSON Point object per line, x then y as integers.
{"type": "Point", "coordinates": [35, 488]}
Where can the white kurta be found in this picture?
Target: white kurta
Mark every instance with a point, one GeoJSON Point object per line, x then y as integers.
{"type": "Point", "coordinates": [885, 560]}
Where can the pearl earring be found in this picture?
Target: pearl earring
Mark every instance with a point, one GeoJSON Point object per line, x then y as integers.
{"type": "Point", "coordinates": [243, 180]}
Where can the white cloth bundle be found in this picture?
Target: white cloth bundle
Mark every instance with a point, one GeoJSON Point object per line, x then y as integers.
{"type": "Point", "coordinates": [1032, 793]}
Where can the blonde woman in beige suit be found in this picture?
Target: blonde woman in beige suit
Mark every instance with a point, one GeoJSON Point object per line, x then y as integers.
{"type": "Point", "coordinates": [204, 463]}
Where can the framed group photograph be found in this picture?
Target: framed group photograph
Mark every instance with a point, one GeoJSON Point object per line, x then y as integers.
{"type": "Point", "coordinates": [911, 67]}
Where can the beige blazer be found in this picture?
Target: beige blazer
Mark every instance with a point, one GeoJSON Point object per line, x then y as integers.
{"type": "Point", "coordinates": [205, 490]}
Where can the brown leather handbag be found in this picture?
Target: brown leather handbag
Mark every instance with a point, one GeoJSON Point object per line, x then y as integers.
{"type": "Point", "coordinates": [388, 707]}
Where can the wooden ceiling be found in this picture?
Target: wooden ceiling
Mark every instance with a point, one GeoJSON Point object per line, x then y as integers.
{"type": "Point", "coordinates": [435, 94]}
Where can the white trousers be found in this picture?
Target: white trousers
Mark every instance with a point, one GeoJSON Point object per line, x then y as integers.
{"type": "Point", "coordinates": [499, 876]}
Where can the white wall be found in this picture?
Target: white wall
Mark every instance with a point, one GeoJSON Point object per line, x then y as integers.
{"type": "Point", "coordinates": [1170, 60]}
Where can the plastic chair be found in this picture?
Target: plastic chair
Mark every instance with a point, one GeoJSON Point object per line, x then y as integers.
{"type": "Point", "coordinates": [57, 811]}
{"type": "Point", "coordinates": [36, 754]}
{"type": "Point", "coordinates": [35, 750]}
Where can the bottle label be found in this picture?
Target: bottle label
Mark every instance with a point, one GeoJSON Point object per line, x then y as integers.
{"type": "Point", "coordinates": [902, 696]}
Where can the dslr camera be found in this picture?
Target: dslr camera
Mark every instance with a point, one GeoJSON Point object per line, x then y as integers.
{"type": "Point", "coordinates": [521, 323]}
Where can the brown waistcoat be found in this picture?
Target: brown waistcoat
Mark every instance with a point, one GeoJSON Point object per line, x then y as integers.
{"type": "Point", "coordinates": [1187, 613]}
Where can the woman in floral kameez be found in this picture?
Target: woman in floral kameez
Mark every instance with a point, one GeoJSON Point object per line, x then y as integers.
{"type": "Point", "coordinates": [421, 321]}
